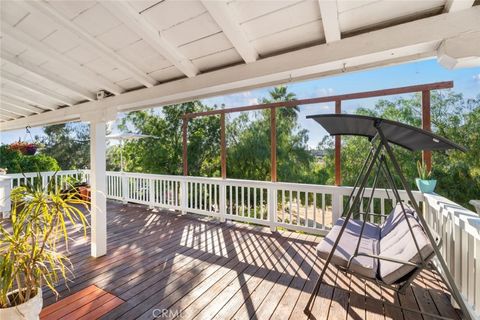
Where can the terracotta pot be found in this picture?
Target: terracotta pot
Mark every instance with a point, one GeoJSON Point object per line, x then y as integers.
{"type": "Point", "coordinates": [29, 310]}
{"type": "Point", "coordinates": [84, 193]}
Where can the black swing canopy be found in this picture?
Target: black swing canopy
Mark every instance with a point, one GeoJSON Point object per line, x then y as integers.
{"type": "Point", "coordinates": [393, 252]}
{"type": "Point", "coordinates": [404, 135]}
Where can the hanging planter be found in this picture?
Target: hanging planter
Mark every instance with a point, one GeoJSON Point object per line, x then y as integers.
{"type": "Point", "coordinates": [28, 149]}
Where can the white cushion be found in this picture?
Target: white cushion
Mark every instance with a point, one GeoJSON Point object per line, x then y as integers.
{"type": "Point", "coordinates": [398, 243]}
{"type": "Point", "coordinates": [362, 265]}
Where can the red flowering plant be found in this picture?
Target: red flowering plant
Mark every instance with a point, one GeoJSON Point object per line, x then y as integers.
{"type": "Point", "coordinates": [25, 148]}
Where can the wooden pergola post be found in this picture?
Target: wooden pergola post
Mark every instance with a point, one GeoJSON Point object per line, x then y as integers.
{"type": "Point", "coordinates": [184, 138]}
{"type": "Point", "coordinates": [223, 146]}
{"type": "Point", "coordinates": [273, 144]}
{"type": "Point", "coordinates": [338, 147]}
{"type": "Point", "coordinates": [426, 125]}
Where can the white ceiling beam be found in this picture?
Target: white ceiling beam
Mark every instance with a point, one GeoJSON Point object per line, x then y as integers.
{"type": "Point", "coordinates": [397, 44]}
{"type": "Point", "coordinates": [26, 101]}
{"type": "Point", "coordinates": [224, 17]}
{"type": "Point", "coordinates": [20, 109]}
{"type": "Point", "coordinates": [10, 114]}
{"type": "Point", "coordinates": [138, 24]}
{"type": "Point", "coordinates": [30, 67]}
{"type": "Point", "coordinates": [70, 63]}
{"type": "Point", "coordinates": [35, 88]}
{"type": "Point", "coordinates": [6, 99]}
{"type": "Point", "coordinates": [331, 26]}
{"type": "Point", "coordinates": [106, 52]}
{"type": "Point", "coordinates": [457, 5]}
{"type": "Point", "coordinates": [5, 118]}
{"type": "Point", "coordinates": [14, 109]}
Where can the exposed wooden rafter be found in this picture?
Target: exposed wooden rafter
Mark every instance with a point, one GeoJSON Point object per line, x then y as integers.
{"type": "Point", "coordinates": [50, 76]}
{"type": "Point", "coordinates": [42, 48]}
{"type": "Point", "coordinates": [18, 95]}
{"type": "Point", "coordinates": [12, 101]}
{"type": "Point", "coordinates": [20, 113]}
{"type": "Point", "coordinates": [331, 26]}
{"type": "Point", "coordinates": [35, 88]}
{"type": "Point", "coordinates": [106, 52]}
{"type": "Point", "coordinates": [457, 5]}
{"type": "Point", "coordinates": [222, 14]}
{"type": "Point", "coordinates": [401, 43]}
{"type": "Point", "coordinates": [137, 23]}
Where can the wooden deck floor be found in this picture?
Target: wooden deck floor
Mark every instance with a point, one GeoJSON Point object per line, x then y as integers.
{"type": "Point", "coordinates": [173, 266]}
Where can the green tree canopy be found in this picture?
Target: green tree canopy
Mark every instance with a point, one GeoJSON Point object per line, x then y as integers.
{"type": "Point", "coordinates": [69, 144]}
{"type": "Point", "coordinates": [15, 162]}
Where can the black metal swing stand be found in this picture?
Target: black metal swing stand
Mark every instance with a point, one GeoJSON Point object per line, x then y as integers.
{"type": "Point", "coordinates": [381, 133]}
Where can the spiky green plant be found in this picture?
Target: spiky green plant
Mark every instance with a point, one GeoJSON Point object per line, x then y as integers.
{"type": "Point", "coordinates": [29, 245]}
{"type": "Point", "coordinates": [423, 172]}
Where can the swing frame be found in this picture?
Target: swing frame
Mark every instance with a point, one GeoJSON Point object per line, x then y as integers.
{"type": "Point", "coordinates": [378, 155]}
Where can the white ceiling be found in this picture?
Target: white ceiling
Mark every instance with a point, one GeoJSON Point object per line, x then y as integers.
{"type": "Point", "coordinates": [59, 54]}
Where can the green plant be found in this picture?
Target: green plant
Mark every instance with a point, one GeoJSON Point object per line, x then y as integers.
{"type": "Point", "coordinates": [423, 172]}
{"type": "Point", "coordinates": [30, 256]}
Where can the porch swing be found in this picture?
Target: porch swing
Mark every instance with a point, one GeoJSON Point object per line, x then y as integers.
{"type": "Point", "coordinates": [393, 252]}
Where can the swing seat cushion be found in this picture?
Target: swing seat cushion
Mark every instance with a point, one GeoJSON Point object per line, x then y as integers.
{"type": "Point", "coordinates": [361, 265]}
{"type": "Point", "coordinates": [397, 242]}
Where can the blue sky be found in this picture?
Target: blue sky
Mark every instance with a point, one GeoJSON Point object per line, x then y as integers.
{"type": "Point", "coordinates": [466, 81]}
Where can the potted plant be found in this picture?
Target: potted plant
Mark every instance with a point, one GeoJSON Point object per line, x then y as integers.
{"type": "Point", "coordinates": [78, 186]}
{"type": "Point", "coordinates": [28, 149]}
{"type": "Point", "coordinates": [424, 183]}
{"type": "Point", "coordinates": [29, 254]}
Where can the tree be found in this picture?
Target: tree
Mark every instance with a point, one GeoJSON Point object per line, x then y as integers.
{"type": "Point", "coordinates": [249, 145]}
{"type": "Point", "coordinates": [163, 154]}
{"type": "Point", "coordinates": [453, 117]}
{"type": "Point", "coordinates": [69, 144]}
{"type": "Point", "coordinates": [15, 162]}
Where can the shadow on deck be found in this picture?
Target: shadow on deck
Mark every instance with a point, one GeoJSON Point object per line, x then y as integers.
{"type": "Point", "coordinates": [170, 265]}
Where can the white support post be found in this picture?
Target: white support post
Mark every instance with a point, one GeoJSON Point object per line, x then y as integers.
{"type": "Point", "coordinates": [98, 186]}
{"type": "Point", "coordinates": [183, 196]}
{"type": "Point", "coordinates": [5, 188]}
{"type": "Point", "coordinates": [44, 179]}
{"type": "Point", "coordinates": [151, 193]}
{"type": "Point", "coordinates": [272, 207]}
{"type": "Point", "coordinates": [337, 206]}
{"type": "Point", "coordinates": [223, 201]}
{"type": "Point", "coordinates": [125, 186]}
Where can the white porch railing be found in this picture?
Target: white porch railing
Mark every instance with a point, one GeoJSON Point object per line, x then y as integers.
{"type": "Point", "coordinates": [459, 229]}
{"type": "Point", "coordinates": [301, 207]}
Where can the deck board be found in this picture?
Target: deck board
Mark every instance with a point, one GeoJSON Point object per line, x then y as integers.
{"type": "Point", "coordinates": [197, 268]}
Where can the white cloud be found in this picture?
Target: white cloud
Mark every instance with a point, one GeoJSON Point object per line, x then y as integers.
{"type": "Point", "coordinates": [322, 92]}
{"type": "Point", "coordinates": [476, 77]}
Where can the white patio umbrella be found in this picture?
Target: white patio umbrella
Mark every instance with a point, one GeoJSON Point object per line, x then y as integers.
{"type": "Point", "coordinates": [125, 137]}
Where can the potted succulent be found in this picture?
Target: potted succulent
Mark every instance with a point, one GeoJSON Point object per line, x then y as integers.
{"type": "Point", "coordinates": [29, 254]}
{"type": "Point", "coordinates": [424, 183]}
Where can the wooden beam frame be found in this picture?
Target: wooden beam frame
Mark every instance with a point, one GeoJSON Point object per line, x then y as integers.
{"type": "Point", "coordinates": [424, 88]}
{"type": "Point", "coordinates": [273, 144]}
{"type": "Point", "coordinates": [338, 149]}
{"type": "Point", "coordinates": [348, 96]}
{"type": "Point", "coordinates": [426, 125]}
